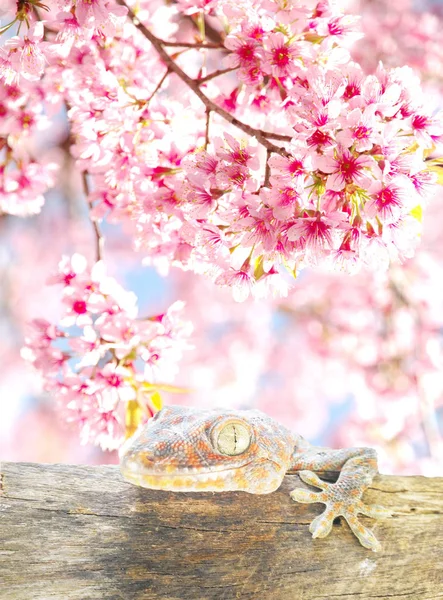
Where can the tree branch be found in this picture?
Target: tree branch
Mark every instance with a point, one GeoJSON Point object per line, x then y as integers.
{"type": "Point", "coordinates": [208, 120]}
{"type": "Point", "coordinates": [197, 46]}
{"type": "Point", "coordinates": [82, 532]}
{"type": "Point", "coordinates": [158, 86]}
{"type": "Point", "coordinates": [261, 136]}
{"type": "Point", "coordinates": [267, 170]}
{"type": "Point", "coordinates": [215, 74]}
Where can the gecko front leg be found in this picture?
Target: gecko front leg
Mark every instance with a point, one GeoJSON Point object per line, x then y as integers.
{"type": "Point", "coordinates": [358, 467]}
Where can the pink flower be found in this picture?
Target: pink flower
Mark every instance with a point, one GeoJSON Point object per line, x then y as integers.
{"type": "Point", "coordinates": [385, 98]}
{"type": "Point", "coordinates": [359, 131]}
{"type": "Point", "coordinates": [244, 52]}
{"type": "Point", "coordinates": [237, 176]}
{"type": "Point", "coordinates": [280, 56]}
{"type": "Point", "coordinates": [390, 200]}
{"type": "Point", "coordinates": [42, 334]}
{"type": "Point", "coordinates": [261, 233]}
{"type": "Point", "coordinates": [87, 346]}
{"type": "Point", "coordinates": [120, 330]}
{"type": "Point", "coordinates": [345, 27]}
{"type": "Point", "coordinates": [200, 164]}
{"type": "Point", "coordinates": [25, 55]}
{"type": "Point", "coordinates": [271, 283]}
{"type": "Point", "coordinates": [320, 138]}
{"type": "Point", "coordinates": [70, 31]}
{"type": "Point", "coordinates": [314, 232]}
{"type": "Point", "coordinates": [286, 170]}
{"type": "Point", "coordinates": [112, 382]}
{"type": "Point", "coordinates": [113, 356]}
{"type": "Point", "coordinates": [354, 78]}
{"type": "Point", "coordinates": [201, 200]}
{"type": "Point", "coordinates": [21, 189]}
{"type": "Point", "coordinates": [286, 201]}
{"type": "Point", "coordinates": [424, 183]}
{"type": "Point", "coordinates": [240, 282]}
{"type": "Point", "coordinates": [7, 72]}
{"type": "Point", "coordinates": [242, 153]}
{"type": "Point", "coordinates": [252, 74]}
{"type": "Point", "coordinates": [77, 310]}
{"type": "Point", "coordinates": [347, 258]}
{"type": "Point", "coordinates": [68, 269]}
{"type": "Point", "coordinates": [212, 242]}
{"type": "Point", "coordinates": [89, 11]}
{"type": "Point", "coordinates": [426, 129]}
{"type": "Point", "coordinates": [346, 168]}
{"type": "Point", "coordinates": [191, 7]}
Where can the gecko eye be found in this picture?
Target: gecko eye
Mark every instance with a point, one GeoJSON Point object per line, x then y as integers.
{"type": "Point", "coordinates": [232, 438]}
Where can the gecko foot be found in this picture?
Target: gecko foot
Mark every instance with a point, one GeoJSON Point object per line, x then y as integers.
{"type": "Point", "coordinates": [342, 498]}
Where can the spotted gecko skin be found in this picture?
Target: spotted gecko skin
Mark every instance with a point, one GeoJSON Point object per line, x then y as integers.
{"type": "Point", "coordinates": [192, 450]}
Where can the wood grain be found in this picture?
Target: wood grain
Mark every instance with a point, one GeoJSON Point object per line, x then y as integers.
{"type": "Point", "coordinates": [77, 532]}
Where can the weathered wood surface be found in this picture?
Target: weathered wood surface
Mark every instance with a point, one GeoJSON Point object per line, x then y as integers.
{"type": "Point", "coordinates": [75, 532]}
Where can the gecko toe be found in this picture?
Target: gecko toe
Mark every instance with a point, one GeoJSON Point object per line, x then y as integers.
{"type": "Point", "coordinates": [304, 496]}
{"type": "Point", "coordinates": [312, 479]}
{"type": "Point", "coordinates": [321, 526]}
{"type": "Point", "coordinates": [364, 535]}
{"type": "Point", "coordinates": [374, 511]}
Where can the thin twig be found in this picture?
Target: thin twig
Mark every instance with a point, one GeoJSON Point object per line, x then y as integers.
{"type": "Point", "coordinates": [267, 169]}
{"type": "Point", "coordinates": [160, 83]}
{"type": "Point", "coordinates": [193, 84]}
{"type": "Point", "coordinates": [99, 239]}
{"type": "Point", "coordinates": [208, 120]}
{"type": "Point", "coordinates": [191, 45]}
{"type": "Point", "coordinates": [215, 74]}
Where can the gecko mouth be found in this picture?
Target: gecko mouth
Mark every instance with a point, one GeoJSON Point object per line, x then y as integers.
{"type": "Point", "coordinates": [226, 479]}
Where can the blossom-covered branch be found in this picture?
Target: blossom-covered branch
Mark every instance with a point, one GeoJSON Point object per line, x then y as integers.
{"type": "Point", "coordinates": [345, 191]}
{"type": "Point", "coordinates": [262, 136]}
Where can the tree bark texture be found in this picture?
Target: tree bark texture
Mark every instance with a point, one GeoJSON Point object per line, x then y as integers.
{"type": "Point", "coordinates": [83, 533]}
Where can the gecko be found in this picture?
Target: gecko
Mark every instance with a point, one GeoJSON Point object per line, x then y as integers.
{"type": "Point", "coordinates": [184, 449]}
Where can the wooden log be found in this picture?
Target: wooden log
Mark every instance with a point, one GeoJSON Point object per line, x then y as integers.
{"type": "Point", "coordinates": [77, 532]}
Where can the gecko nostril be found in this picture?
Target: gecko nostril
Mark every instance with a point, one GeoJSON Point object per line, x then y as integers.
{"type": "Point", "coordinates": [146, 459]}
{"type": "Point", "coordinates": [161, 452]}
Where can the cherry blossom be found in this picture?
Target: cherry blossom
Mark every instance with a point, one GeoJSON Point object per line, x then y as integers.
{"type": "Point", "coordinates": [94, 373]}
{"type": "Point", "coordinates": [336, 130]}
{"type": "Point", "coordinates": [26, 55]}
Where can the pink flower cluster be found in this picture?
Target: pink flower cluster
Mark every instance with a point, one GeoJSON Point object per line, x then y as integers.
{"type": "Point", "coordinates": [309, 162]}
{"type": "Point", "coordinates": [26, 171]}
{"type": "Point", "coordinates": [102, 355]}
{"type": "Point", "coordinates": [26, 56]}
{"type": "Point", "coordinates": [272, 45]}
{"type": "Point", "coordinates": [347, 192]}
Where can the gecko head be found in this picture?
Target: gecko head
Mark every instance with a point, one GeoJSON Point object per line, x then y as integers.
{"type": "Point", "coordinates": [185, 449]}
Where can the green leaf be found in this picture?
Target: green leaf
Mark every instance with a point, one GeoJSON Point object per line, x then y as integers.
{"type": "Point", "coordinates": [133, 417]}
{"type": "Point", "coordinates": [292, 271]}
{"type": "Point", "coordinates": [156, 401]}
{"type": "Point", "coordinates": [258, 269]}
{"type": "Point", "coordinates": [417, 213]}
